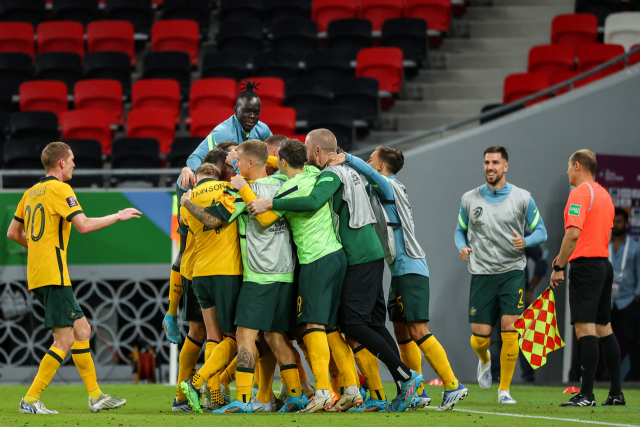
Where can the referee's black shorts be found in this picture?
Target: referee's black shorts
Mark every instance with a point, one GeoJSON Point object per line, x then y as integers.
{"type": "Point", "coordinates": [590, 281]}
{"type": "Point", "coordinates": [362, 295]}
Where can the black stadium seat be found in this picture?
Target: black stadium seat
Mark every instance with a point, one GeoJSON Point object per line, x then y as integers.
{"type": "Point", "coordinates": [194, 10]}
{"type": "Point", "coordinates": [408, 34]}
{"type": "Point", "coordinates": [63, 66]}
{"type": "Point", "coordinates": [32, 11]}
{"type": "Point", "coordinates": [328, 63]}
{"type": "Point", "coordinates": [307, 93]}
{"type": "Point", "coordinates": [169, 65]}
{"type": "Point", "coordinates": [600, 8]}
{"type": "Point", "coordinates": [135, 153]}
{"type": "Point", "coordinates": [22, 154]}
{"type": "Point", "coordinates": [109, 65]}
{"type": "Point", "coordinates": [490, 107]}
{"type": "Point", "coordinates": [138, 12]}
{"type": "Point", "coordinates": [245, 37]}
{"type": "Point", "coordinates": [338, 120]}
{"type": "Point", "coordinates": [225, 64]}
{"type": "Point", "coordinates": [297, 35]}
{"type": "Point", "coordinates": [277, 10]}
{"type": "Point", "coordinates": [349, 35]}
{"type": "Point", "coordinates": [241, 10]}
{"type": "Point", "coordinates": [15, 69]}
{"type": "Point", "coordinates": [83, 11]}
{"type": "Point", "coordinates": [40, 125]}
{"type": "Point", "coordinates": [284, 65]}
{"type": "Point", "coordinates": [181, 149]}
{"type": "Point", "coordinates": [6, 104]}
{"type": "Point", "coordinates": [87, 154]}
{"type": "Point", "coordinates": [360, 94]}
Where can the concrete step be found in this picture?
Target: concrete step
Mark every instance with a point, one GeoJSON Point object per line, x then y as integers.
{"type": "Point", "coordinates": [376, 138]}
{"type": "Point", "coordinates": [435, 91]}
{"type": "Point", "coordinates": [488, 60]}
{"type": "Point", "coordinates": [416, 122]}
{"type": "Point", "coordinates": [491, 45]}
{"type": "Point", "coordinates": [497, 28]}
{"type": "Point", "coordinates": [465, 75]}
{"type": "Point", "coordinates": [458, 107]}
{"type": "Point", "coordinates": [516, 13]}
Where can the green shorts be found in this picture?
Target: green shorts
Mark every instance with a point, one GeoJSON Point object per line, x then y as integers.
{"type": "Point", "coordinates": [221, 292]}
{"type": "Point", "coordinates": [408, 298]}
{"type": "Point", "coordinates": [319, 287]}
{"type": "Point", "coordinates": [495, 295]}
{"type": "Point", "coordinates": [266, 307]}
{"type": "Point", "coordinates": [60, 305]}
{"type": "Point", "coordinates": [182, 229]}
{"type": "Point", "coordinates": [191, 311]}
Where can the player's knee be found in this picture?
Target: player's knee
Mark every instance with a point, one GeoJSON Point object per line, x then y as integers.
{"type": "Point", "coordinates": [197, 331]}
{"type": "Point", "coordinates": [81, 330]}
{"type": "Point", "coordinates": [417, 330]}
{"type": "Point", "coordinates": [401, 331]}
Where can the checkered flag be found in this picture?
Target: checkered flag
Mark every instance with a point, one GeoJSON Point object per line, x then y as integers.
{"type": "Point", "coordinates": [538, 330]}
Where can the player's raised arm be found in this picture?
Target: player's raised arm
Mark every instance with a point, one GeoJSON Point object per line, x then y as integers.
{"type": "Point", "coordinates": [88, 225]}
{"type": "Point", "coordinates": [377, 180]}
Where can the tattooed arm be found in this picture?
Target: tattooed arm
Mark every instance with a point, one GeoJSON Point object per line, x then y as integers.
{"type": "Point", "coordinates": [200, 214]}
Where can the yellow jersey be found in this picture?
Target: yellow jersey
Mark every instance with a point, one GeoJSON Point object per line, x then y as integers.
{"type": "Point", "coordinates": [217, 250]}
{"type": "Point", "coordinates": [46, 210]}
{"type": "Point", "coordinates": [188, 257]}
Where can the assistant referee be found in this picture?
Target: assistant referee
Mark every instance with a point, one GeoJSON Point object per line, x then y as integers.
{"type": "Point", "coordinates": [588, 219]}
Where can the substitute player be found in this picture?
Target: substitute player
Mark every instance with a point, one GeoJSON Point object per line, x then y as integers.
{"type": "Point", "coordinates": [588, 219]}
{"type": "Point", "coordinates": [489, 234]}
{"type": "Point", "coordinates": [42, 223]}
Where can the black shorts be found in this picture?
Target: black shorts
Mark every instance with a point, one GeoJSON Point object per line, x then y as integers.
{"type": "Point", "coordinates": [590, 281]}
{"type": "Point", "coordinates": [362, 295]}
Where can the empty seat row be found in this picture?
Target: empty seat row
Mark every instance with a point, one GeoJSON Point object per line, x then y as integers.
{"type": "Point", "coordinates": [554, 59]}
{"type": "Point", "coordinates": [601, 9]}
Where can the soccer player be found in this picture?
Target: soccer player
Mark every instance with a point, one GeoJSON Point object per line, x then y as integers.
{"type": "Point", "coordinates": [362, 306]}
{"type": "Point", "coordinates": [408, 302]}
{"type": "Point", "coordinates": [489, 234]}
{"type": "Point", "coordinates": [42, 224]}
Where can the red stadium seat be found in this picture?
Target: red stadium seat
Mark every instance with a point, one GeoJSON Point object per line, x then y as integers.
{"type": "Point", "coordinates": [271, 90]}
{"type": "Point", "coordinates": [61, 36]}
{"type": "Point", "coordinates": [17, 37]}
{"type": "Point", "coordinates": [590, 56]}
{"type": "Point", "coordinates": [563, 76]}
{"type": "Point", "coordinates": [383, 64]}
{"type": "Point", "coordinates": [299, 137]}
{"type": "Point", "coordinates": [100, 94]}
{"type": "Point", "coordinates": [204, 120]}
{"type": "Point", "coordinates": [635, 58]}
{"type": "Point", "coordinates": [551, 59]}
{"type": "Point", "coordinates": [211, 93]}
{"type": "Point", "coordinates": [44, 95]}
{"type": "Point", "coordinates": [155, 123]}
{"type": "Point", "coordinates": [111, 36]}
{"type": "Point", "coordinates": [574, 29]}
{"type": "Point", "coordinates": [157, 93]}
{"type": "Point", "coordinates": [87, 124]}
{"type": "Point", "coordinates": [325, 11]}
{"type": "Point", "coordinates": [378, 11]}
{"type": "Point", "coordinates": [177, 35]}
{"type": "Point", "coordinates": [281, 120]}
{"type": "Point", "coordinates": [520, 85]}
{"type": "Point", "coordinates": [437, 13]}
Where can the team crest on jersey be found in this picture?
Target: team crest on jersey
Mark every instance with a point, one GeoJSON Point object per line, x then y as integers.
{"type": "Point", "coordinates": [71, 201]}
{"type": "Point", "coordinates": [477, 212]}
{"type": "Point", "coordinates": [472, 311]}
{"type": "Point", "coordinates": [72, 315]}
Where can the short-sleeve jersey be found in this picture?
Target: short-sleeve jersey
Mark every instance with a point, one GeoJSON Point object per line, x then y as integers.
{"type": "Point", "coordinates": [217, 251]}
{"type": "Point", "coordinates": [46, 210]}
{"type": "Point", "coordinates": [591, 210]}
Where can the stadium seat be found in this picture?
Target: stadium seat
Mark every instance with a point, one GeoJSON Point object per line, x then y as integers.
{"type": "Point", "coordinates": [157, 93]}
{"type": "Point", "coordinates": [383, 64]}
{"type": "Point", "coordinates": [635, 58]}
{"type": "Point", "coordinates": [138, 12]}
{"type": "Point", "coordinates": [63, 66]}
{"type": "Point", "coordinates": [87, 154]}
{"type": "Point", "coordinates": [284, 65]}
{"type": "Point", "coordinates": [6, 106]}
{"type": "Point", "coordinates": [17, 37]}
{"type": "Point", "coordinates": [328, 63]}
{"type": "Point", "coordinates": [169, 65]}
{"type": "Point", "coordinates": [297, 35]}
{"type": "Point", "coordinates": [87, 124]}
{"type": "Point", "coordinates": [409, 35]}
{"type": "Point", "coordinates": [109, 65]}
{"type": "Point", "coordinates": [551, 59]}
{"type": "Point", "coordinates": [308, 92]}
{"type": "Point", "coordinates": [227, 64]}
{"type": "Point", "coordinates": [590, 56]}
{"type": "Point", "coordinates": [634, 5]}
{"type": "Point", "coordinates": [623, 29]}
{"type": "Point", "coordinates": [241, 10]}
{"type": "Point", "coordinates": [246, 38]}
{"type": "Point", "coordinates": [100, 94]}
{"type": "Point", "coordinates": [40, 125]}
{"type": "Point", "coordinates": [300, 137]}
{"type": "Point", "coordinates": [177, 35]}
{"type": "Point", "coordinates": [181, 149]}
{"type": "Point", "coordinates": [212, 93]}
{"type": "Point", "coordinates": [82, 11]}
{"type": "Point", "coordinates": [43, 95]}
{"type": "Point", "coordinates": [204, 120]}
{"type": "Point", "coordinates": [193, 10]}
{"type": "Point", "coordinates": [155, 123]}
{"type": "Point", "coordinates": [112, 36]}
{"type": "Point", "coordinates": [521, 85]}
{"type": "Point", "coordinates": [437, 13]}
{"type": "Point", "coordinates": [281, 120]}
{"type": "Point", "coordinates": [15, 69]}
{"type": "Point", "coordinates": [277, 10]}
{"type": "Point", "coordinates": [378, 11]}
{"type": "Point", "coordinates": [61, 36]}
{"type": "Point", "coordinates": [360, 94]}
{"type": "Point", "coordinates": [600, 8]}
{"type": "Point", "coordinates": [564, 76]}
{"type": "Point", "coordinates": [31, 11]}
{"type": "Point", "coordinates": [350, 35]}
{"type": "Point", "coordinates": [271, 90]}
{"type": "Point", "coordinates": [338, 120]}
{"type": "Point", "coordinates": [574, 30]}
{"type": "Point", "coordinates": [135, 153]}
{"type": "Point", "coordinates": [24, 154]}
{"type": "Point", "coordinates": [490, 107]}
{"type": "Point", "coordinates": [325, 11]}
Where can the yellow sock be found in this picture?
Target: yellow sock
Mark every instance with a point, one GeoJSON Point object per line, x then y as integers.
{"type": "Point", "coordinates": [221, 355]}
{"type": "Point", "coordinates": [244, 380]}
{"type": "Point", "coordinates": [319, 354]}
{"type": "Point", "coordinates": [508, 358]}
{"type": "Point", "coordinates": [267, 365]}
{"type": "Point", "coordinates": [437, 358]}
{"type": "Point", "coordinates": [334, 374]}
{"type": "Point", "coordinates": [412, 357]}
{"type": "Point", "coordinates": [302, 375]}
{"type": "Point", "coordinates": [291, 378]}
{"type": "Point", "coordinates": [256, 373]}
{"type": "Point", "coordinates": [480, 345]}
{"type": "Point", "coordinates": [187, 363]}
{"type": "Point", "coordinates": [229, 375]}
{"type": "Point", "coordinates": [175, 291]}
{"type": "Point", "coordinates": [48, 367]}
{"type": "Point", "coordinates": [303, 348]}
{"type": "Point", "coordinates": [214, 382]}
{"type": "Point", "coordinates": [368, 365]}
{"type": "Point", "coordinates": [81, 354]}
{"type": "Point", "coordinates": [343, 356]}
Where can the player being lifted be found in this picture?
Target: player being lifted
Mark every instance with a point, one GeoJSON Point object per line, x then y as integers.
{"type": "Point", "coordinates": [42, 223]}
{"type": "Point", "coordinates": [489, 234]}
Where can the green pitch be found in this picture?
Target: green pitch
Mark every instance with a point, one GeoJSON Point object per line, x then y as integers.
{"type": "Point", "coordinates": [150, 405]}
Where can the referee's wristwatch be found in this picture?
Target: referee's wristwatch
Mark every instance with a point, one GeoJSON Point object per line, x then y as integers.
{"type": "Point", "coordinates": [558, 268]}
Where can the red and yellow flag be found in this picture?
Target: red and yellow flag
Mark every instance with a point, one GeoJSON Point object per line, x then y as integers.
{"type": "Point", "coordinates": [538, 330]}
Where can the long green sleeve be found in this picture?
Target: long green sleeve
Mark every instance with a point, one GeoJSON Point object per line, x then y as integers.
{"type": "Point", "coordinates": [326, 186]}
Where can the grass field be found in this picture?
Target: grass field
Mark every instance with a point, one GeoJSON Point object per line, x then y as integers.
{"type": "Point", "coordinates": [150, 405]}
